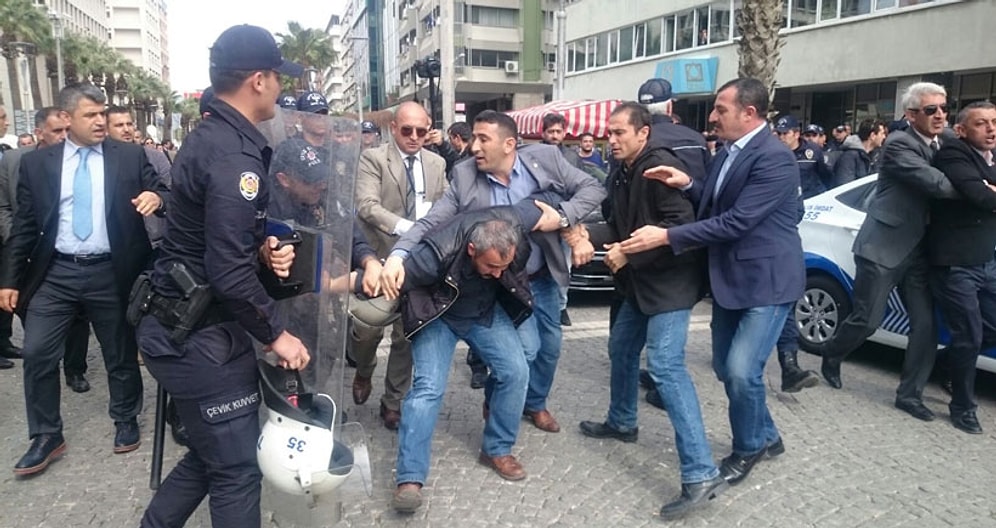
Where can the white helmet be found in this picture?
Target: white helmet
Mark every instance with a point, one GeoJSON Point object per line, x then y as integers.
{"type": "Point", "coordinates": [297, 451]}
{"type": "Point", "coordinates": [372, 312]}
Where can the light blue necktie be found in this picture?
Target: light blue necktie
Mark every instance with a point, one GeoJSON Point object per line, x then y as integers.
{"type": "Point", "coordinates": [82, 198]}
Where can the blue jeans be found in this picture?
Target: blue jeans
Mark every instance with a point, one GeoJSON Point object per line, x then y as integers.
{"type": "Point", "coordinates": [432, 355]}
{"type": "Point", "coordinates": [541, 338]}
{"type": "Point", "coordinates": [742, 341]}
{"type": "Point", "coordinates": [664, 335]}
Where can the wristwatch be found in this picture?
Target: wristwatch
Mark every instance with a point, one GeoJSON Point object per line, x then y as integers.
{"type": "Point", "coordinates": [564, 222]}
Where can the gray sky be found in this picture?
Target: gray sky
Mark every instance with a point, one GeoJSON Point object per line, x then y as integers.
{"type": "Point", "coordinates": [195, 24]}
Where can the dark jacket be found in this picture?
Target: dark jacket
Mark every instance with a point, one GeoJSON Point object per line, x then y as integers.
{"type": "Point", "coordinates": [853, 162]}
{"type": "Point", "coordinates": [451, 155]}
{"type": "Point", "coordinates": [433, 269]}
{"type": "Point", "coordinates": [29, 251]}
{"type": "Point", "coordinates": [687, 144]}
{"type": "Point", "coordinates": [897, 216]}
{"type": "Point", "coordinates": [962, 232]}
{"type": "Point", "coordinates": [658, 280]}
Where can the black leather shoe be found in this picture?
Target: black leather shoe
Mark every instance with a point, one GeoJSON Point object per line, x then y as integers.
{"type": "Point", "coordinates": [565, 320]}
{"type": "Point", "coordinates": [478, 376]}
{"type": "Point", "coordinates": [176, 428]}
{"type": "Point", "coordinates": [10, 351]}
{"type": "Point", "coordinates": [917, 410]}
{"type": "Point", "coordinates": [775, 449]}
{"type": "Point", "coordinates": [602, 430]}
{"type": "Point", "coordinates": [968, 422]}
{"type": "Point", "coordinates": [44, 449]}
{"type": "Point", "coordinates": [654, 398]}
{"type": "Point", "coordinates": [830, 368]}
{"type": "Point", "coordinates": [646, 381]}
{"type": "Point", "coordinates": [735, 468]}
{"type": "Point", "coordinates": [77, 382]}
{"type": "Point", "coordinates": [126, 436]}
{"type": "Point", "coordinates": [795, 379]}
{"type": "Point", "coordinates": [6, 363]}
{"type": "Point", "coordinates": [694, 496]}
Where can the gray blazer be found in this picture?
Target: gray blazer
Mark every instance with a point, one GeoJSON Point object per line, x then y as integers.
{"type": "Point", "coordinates": [9, 169]}
{"type": "Point", "coordinates": [898, 214]}
{"type": "Point", "coordinates": [155, 226]}
{"type": "Point", "coordinates": [381, 187]}
{"type": "Point", "coordinates": [469, 189]}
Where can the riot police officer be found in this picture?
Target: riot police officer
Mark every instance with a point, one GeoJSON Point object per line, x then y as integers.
{"type": "Point", "coordinates": [215, 239]}
{"type": "Point", "coordinates": [814, 173]}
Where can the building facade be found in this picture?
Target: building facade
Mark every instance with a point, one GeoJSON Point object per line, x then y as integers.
{"type": "Point", "coordinates": [332, 78]}
{"type": "Point", "coordinates": [842, 60]}
{"type": "Point", "coordinates": [139, 31]}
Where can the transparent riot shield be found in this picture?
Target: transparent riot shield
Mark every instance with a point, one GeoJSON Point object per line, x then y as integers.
{"type": "Point", "coordinates": [312, 458]}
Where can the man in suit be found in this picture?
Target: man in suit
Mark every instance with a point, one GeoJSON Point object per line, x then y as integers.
{"type": "Point", "coordinates": [501, 174]}
{"type": "Point", "coordinates": [396, 185]}
{"type": "Point", "coordinates": [746, 214]}
{"type": "Point", "coordinates": [51, 126]}
{"type": "Point", "coordinates": [888, 250]}
{"type": "Point", "coordinates": [77, 244]}
{"type": "Point", "coordinates": [960, 241]}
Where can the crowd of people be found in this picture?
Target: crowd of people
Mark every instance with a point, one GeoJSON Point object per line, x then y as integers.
{"type": "Point", "coordinates": [475, 234]}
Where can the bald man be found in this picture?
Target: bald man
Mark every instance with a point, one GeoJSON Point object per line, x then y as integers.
{"type": "Point", "coordinates": [396, 185]}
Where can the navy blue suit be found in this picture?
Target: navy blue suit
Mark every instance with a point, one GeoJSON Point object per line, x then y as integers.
{"type": "Point", "coordinates": [756, 271]}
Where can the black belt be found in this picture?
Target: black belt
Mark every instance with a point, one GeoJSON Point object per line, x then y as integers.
{"type": "Point", "coordinates": [84, 260]}
{"type": "Point", "coordinates": [164, 309]}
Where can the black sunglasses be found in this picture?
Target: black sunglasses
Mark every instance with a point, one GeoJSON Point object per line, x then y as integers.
{"type": "Point", "coordinates": [931, 109]}
{"type": "Point", "coordinates": [406, 131]}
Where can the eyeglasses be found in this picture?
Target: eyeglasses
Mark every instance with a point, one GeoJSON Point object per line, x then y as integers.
{"type": "Point", "coordinates": [932, 109]}
{"type": "Point", "coordinates": [406, 131]}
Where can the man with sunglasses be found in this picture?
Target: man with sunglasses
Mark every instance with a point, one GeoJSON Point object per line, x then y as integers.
{"type": "Point", "coordinates": [889, 249]}
{"type": "Point", "coordinates": [396, 185]}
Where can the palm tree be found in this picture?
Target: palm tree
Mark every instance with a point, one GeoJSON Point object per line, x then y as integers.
{"type": "Point", "coordinates": [190, 113]}
{"type": "Point", "coordinates": [760, 44]}
{"type": "Point", "coordinates": [309, 47]}
{"type": "Point", "coordinates": [21, 21]}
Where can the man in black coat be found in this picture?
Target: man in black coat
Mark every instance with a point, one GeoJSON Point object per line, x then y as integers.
{"type": "Point", "coordinates": [77, 243]}
{"type": "Point", "coordinates": [960, 241]}
{"type": "Point", "coordinates": [659, 289]}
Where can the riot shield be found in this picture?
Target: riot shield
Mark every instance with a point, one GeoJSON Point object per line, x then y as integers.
{"type": "Point", "coordinates": [312, 459]}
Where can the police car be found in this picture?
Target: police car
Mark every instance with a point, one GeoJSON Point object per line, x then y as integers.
{"type": "Point", "coordinates": [831, 221]}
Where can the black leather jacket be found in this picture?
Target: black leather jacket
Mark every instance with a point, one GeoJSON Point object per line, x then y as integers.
{"type": "Point", "coordinates": [432, 270]}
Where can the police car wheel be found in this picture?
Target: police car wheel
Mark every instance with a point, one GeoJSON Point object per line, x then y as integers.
{"type": "Point", "coordinates": [820, 311]}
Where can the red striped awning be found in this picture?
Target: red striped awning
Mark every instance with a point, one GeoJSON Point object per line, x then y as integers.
{"type": "Point", "coordinates": [581, 116]}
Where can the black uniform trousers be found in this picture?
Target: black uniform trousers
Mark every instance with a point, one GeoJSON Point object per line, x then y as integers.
{"type": "Point", "coordinates": [69, 289]}
{"type": "Point", "coordinates": [214, 367]}
{"type": "Point", "coordinates": [967, 299]}
{"type": "Point", "coordinates": [872, 285]}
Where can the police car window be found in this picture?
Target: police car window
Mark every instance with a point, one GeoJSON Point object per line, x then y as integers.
{"type": "Point", "coordinates": [859, 197]}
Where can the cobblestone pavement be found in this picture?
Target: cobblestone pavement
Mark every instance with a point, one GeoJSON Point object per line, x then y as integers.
{"type": "Point", "coordinates": [852, 459]}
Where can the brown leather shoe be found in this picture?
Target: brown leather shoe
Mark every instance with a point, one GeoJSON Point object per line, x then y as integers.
{"type": "Point", "coordinates": [391, 418]}
{"type": "Point", "coordinates": [543, 420]}
{"type": "Point", "coordinates": [361, 389]}
{"type": "Point", "coordinates": [506, 466]}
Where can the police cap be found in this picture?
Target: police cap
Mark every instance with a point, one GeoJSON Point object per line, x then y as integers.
{"type": "Point", "coordinates": [655, 91]}
{"type": "Point", "coordinates": [313, 103]}
{"type": "Point", "coordinates": [250, 48]}
{"type": "Point", "coordinates": [302, 161]}
{"type": "Point", "coordinates": [287, 101]}
{"type": "Point", "coordinates": [786, 123]}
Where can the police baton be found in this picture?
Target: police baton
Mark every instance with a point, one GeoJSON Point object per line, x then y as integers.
{"type": "Point", "coordinates": [158, 439]}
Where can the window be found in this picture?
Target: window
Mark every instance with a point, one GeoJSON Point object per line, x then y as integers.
{"type": "Point", "coordinates": [803, 12]}
{"type": "Point", "coordinates": [494, 16]}
{"type": "Point", "coordinates": [884, 4]}
{"type": "Point", "coordinates": [859, 197]}
{"type": "Point", "coordinates": [601, 49]}
{"type": "Point", "coordinates": [849, 8]}
{"type": "Point", "coordinates": [685, 30]}
{"type": "Point", "coordinates": [738, 6]}
{"type": "Point", "coordinates": [589, 59]}
{"type": "Point", "coordinates": [640, 39]}
{"type": "Point", "coordinates": [702, 26]}
{"type": "Point", "coordinates": [655, 38]}
{"type": "Point", "coordinates": [613, 47]}
{"type": "Point", "coordinates": [719, 24]}
{"type": "Point", "coordinates": [571, 57]}
{"type": "Point", "coordinates": [492, 58]}
{"type": "Point", "coordinates": [829, 10]}
{"type": "Point", "coordinates": [626, 44]}
{"type": "Point", "coordinates": [669, 34]}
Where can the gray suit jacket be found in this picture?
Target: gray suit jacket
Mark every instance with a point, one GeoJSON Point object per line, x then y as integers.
{"type": "Point", "coordinates": [469, 189]}
{"type": "Point", "coordinates": [898, 214]}
{"type": "Point", "coordinates": [381, 187]}
{"type": "Point", "coordinates": [156, 225]}
{"type": "Point", "coordinates": [9, 168]}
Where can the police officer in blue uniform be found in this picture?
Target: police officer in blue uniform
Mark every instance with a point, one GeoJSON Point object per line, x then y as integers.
{"type": "Point", "coordinates": [815, 177]}
{"type": "Point", "coordinates": [687, 144]}
{"type": "Point", "coordinates": [215, 233]}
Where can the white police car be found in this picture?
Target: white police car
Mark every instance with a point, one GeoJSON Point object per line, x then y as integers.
{"type": "Point", "coordinates": [828, 228]}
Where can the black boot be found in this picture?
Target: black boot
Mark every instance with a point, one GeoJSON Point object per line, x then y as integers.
{"type": "Point", "coordinates": [794, 379]}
